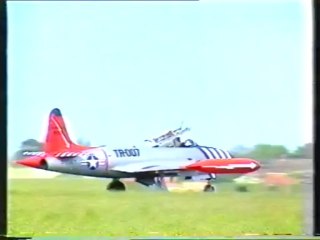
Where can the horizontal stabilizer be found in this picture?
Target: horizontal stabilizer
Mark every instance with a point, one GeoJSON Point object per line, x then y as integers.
{"type": "Point", "coordinates": [62, 154]}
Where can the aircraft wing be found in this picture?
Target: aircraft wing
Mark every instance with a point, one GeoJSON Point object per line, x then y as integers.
{"type": "Point", "coordinates": [221, 166]}
{"type": "Point", "coordinates": [147, 167]}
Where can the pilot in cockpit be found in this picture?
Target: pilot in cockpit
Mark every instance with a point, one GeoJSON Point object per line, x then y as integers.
{"type": "Point", "coordinates": [187, 143]}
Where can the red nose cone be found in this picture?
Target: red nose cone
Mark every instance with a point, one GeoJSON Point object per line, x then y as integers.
{"type": "Point", "coordinates": [34, 162]}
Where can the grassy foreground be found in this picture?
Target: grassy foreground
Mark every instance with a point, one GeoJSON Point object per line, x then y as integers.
{"type": "Point", "coordinates": [81, 207]}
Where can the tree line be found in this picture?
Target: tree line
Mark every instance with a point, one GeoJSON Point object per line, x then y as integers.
{"type": "Point", "coordinates": [264, 152]}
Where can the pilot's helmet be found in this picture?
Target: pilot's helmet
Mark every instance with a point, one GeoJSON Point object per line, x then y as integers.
{"type": "Point", "coordinates": [189, 143]}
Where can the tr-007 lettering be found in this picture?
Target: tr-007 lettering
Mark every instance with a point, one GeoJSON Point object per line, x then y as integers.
{"type": "Point", "coordinates": [134, 152]}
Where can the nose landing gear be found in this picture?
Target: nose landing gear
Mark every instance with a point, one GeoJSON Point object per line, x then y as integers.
{"type": "Point", "coordinates": [209, 187]}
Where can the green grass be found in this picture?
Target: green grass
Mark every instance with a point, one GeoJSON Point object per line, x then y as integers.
{"type": "Point", "coordinates": [82, 207]}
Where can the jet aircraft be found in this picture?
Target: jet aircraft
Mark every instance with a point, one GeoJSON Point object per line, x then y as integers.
{"type": "Point", "coordinates": [147, 165]}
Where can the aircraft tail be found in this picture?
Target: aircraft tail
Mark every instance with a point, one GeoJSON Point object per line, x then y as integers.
{"type": "Point", "coordinates": [57, 138]}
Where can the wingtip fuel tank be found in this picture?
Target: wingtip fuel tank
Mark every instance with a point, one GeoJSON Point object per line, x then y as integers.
{"type": "Point", "coordinates": [225, 166]}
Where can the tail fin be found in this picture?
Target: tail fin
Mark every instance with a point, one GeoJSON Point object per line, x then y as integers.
{"type": "Point", "coordinates": [57, 136]}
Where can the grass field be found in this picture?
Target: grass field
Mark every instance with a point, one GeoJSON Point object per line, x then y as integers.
{"type": "Point", "coordinates": [81, 207]}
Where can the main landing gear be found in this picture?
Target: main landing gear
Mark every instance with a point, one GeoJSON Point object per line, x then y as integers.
{"type": "Point", "coordinates": [116, 185]}
{"type": "Point", "coordinates": [157, 183]}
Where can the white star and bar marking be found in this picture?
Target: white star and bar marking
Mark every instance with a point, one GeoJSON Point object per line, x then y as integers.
{"type": "Point", "coordinates": [92, 162]}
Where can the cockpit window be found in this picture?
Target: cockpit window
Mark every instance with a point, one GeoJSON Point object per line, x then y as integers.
{"type": "Point", "coordinates": [189, 143]}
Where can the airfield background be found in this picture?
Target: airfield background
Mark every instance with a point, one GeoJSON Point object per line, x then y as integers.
{"type": "Point", "coordinates": [278, 184]}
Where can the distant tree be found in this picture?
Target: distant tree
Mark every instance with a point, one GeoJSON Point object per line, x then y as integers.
{"type": "Point", "coordinates": [305, 151]}
{"type": "Point", "coordinates": [31, 144]}
{"type": "Point", "coordinates": [240, 151]}
{"type": "Point", "coordinates": [267, 151]}
{"type": "Point", "coordinates": [27, 145]}
{"type": "Point", "coordinates": [308, 150]}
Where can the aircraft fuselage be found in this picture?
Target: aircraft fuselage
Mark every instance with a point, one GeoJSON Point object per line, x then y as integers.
{"type": "Point", "coordinates": [102, 162]}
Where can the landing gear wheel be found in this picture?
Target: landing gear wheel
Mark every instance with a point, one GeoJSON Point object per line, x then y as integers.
{"type": "Point", "coordinates": [209, 188]}
{"type": "Point", "coordinates": [116, 185]}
